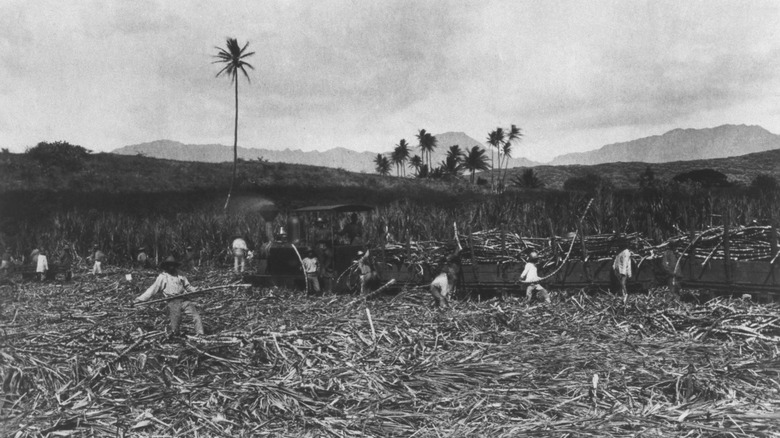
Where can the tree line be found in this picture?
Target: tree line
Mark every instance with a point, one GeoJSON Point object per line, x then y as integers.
{"type": "Point", "coordinates": [457, 161]}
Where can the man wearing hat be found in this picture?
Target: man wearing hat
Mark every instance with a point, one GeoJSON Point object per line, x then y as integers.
{"type": "Point", "coordinates": [172, 284]}
{"type": "Point", "coordinates": [530, 275]}
{"type": "Point", "coordinates": [142, 258]}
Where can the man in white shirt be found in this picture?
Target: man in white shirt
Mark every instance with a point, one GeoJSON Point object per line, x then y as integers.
{"type": "Point", "coordinates": [42, 265]}
{"type": "Point", "coordinates": [239, 254]}
{"type": "Point", "coordinates": [531, 276]}
{"type": "Point", "coordinates": [622, 268]}
{"type": "Point", "coordinates": [172, 284]}
{"type": "Point", "coordinates": [311, 267]}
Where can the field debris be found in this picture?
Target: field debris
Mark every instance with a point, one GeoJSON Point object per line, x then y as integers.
{"type": "Point", "coordinates": [77, 359]}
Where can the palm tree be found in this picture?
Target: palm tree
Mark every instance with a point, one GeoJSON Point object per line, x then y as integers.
{"type": "Point", "coordinates": [528, 179]}
{"type": "Point", "coordinates": [514, 134]}
{"type": "Point", "coordinates": [495, 139]}
{"type": "Point", "coordinates": [416, 163]}
{"type": "Point", "coordinates": [382, 164]}
{"type": "Point", "coordinates": [395, 159]}
{"type": "Point", "coordinates": [232, 56]}
{"type": "Point", "coordinates": [453, 162]}
{"type": "Point", "coordinates": [476, 160]}
{"type": "Point", "coordinates": [402, 149]}
{"type": "Point", "coordinates": [427, 144]}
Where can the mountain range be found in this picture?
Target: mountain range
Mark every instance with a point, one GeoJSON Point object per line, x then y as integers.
{"type": "Point", "coordinates": [680, 145]}
{"type": "Point", "coordinates": [346, 159]}
{"type": "Point", "coordinates": [676, 145]}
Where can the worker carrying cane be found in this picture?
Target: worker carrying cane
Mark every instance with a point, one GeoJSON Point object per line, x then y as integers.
{"type": "Point", "coordinates": [172, 284]}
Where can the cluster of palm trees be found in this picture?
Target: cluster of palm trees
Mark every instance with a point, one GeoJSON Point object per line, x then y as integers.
{"type": "Point", "coordinates": [457, 160]}
{"type": "Point", "coordinates": [501, 140]}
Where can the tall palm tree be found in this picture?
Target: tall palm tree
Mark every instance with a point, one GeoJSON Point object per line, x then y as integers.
{"type": "Point", "coordinates": [416, 163]}
{"type": "Point", "coordinates": [513, 134]}
{"type": "Point", "coordinates": [232, 56]}
{"type": "Point", "coordinates": [402, 149]}
{"type": "Point", "coordinates": [382, 164]}
{"type": "Point", "coordinates": [476, 160]}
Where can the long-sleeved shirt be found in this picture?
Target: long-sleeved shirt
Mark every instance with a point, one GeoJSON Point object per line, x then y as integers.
{"type": "Point", "coordinates": [530, 274]}
{"type": "Point", "coordinates": [170, 285]}
{"type": "Point", "coordinates": [622, 263]}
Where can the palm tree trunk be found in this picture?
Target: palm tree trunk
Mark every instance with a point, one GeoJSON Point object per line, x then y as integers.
{"type": "Point", "coordinates": [235, 151]}
{"type": "Point", "coordinates": [491, 170]}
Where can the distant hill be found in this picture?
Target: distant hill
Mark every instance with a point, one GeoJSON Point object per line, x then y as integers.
{"type": "Point", "coordinates": [343, 158]}
{"type": "Point", "coordinates": [346, 159]}
{"type": "Point", "coordinates": [741, 169]}
{"type": "Point", "coordinates": [680, 145]}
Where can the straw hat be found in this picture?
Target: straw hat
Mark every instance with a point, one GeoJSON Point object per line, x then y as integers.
{"type": "Point", "coordinates": [533, 256]}
{"type": "Point", "coordinates": [169, 261]}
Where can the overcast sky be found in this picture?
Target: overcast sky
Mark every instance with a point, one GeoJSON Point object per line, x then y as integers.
{"type": "Point", "coordinates": [574, 75]}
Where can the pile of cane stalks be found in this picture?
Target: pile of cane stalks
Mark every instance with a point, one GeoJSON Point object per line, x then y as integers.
{"type": "Point", "coordinates": [78, 360]}
{"type": "Point", "coordinates": [752, 243]}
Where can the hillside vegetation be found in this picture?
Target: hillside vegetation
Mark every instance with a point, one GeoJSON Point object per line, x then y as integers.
{"type": "Point", "coordinates": [138, 174]}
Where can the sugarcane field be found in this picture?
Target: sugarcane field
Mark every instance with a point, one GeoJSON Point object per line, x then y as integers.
{"type": "Point", "coordinates": [83, 356]}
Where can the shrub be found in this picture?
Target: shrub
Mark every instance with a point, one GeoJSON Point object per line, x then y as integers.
{"type": "Point", "coordinates": [707, 178]}
{"type": "Point", "coordinates": [528, 180]}
{"type": "Point", "coordinates": [59, 154]}
{"type": "Point", "coordinates": [589, 183]}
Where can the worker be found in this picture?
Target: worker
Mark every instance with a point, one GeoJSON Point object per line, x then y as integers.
{"type": "Point", "coordinates": [239, 249]}
{"type": "Point", "coordinates": [622, 268]}
{"type": "Point", "coordinates": [142, 258]}
{"type": "Point", "coordinates": [172, 284]}
{"type": "Point", "coordinates": [320, 232]}
{"type": "Point", "coordinates": [97, 257]}
{"type": "Point", "coordinates": [369, 277]}
{"type": "Point", "coordinates": [311, 268]}
{"type": "Point", "coordinates": [671, 267]}
{"type": "Point", "coordinates": [324, 253]}
{"type": "Point", "coordinates": [42, 265]}
{"type": "Point", "coordinates": [445, 284]}
{"type": "Point", "coordinates": [352, 232]}
{"type": "Point", "coordinates": [530, 275]}
{"type": "Point", "coordinates": [190, 257]}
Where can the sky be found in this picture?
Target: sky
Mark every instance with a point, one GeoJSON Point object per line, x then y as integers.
{"type": "Point", "coordinates": [573, 75]}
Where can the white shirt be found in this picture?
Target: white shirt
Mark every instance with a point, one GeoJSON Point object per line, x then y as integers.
{"type": "Point", "coordinates": [622, 263]}
{"type": "Point", "coordinates": [43, 264]}
{"type": "Point", "coordinates": [310, 265]}
{"type": "Point", "coordinates": [529, 273]}
{"type": "Point", "coordinates": [170, 285]}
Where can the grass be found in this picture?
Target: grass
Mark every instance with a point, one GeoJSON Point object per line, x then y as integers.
{"type": "Point", "coordinates": [78, 360]}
